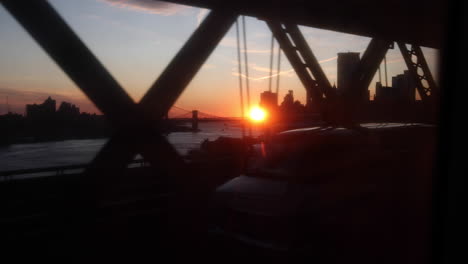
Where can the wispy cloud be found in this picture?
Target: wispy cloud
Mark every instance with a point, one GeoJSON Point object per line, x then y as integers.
{"type": "Point", "coordinates": [157, 39]}
{"type": "Point", "coordinates": [254, 67]}
{"type": "Point", "coordinates": [258, 68]}
{"type": "Point", "coordinates": [231, 42]}
{"type": "Point", "coordinates": [257, 51]}
{"type": "Point", "coordinates": [327, 60]}
{"type": "Point", "coordinates": [148, 6]}
{"type": "Point", "coordinates": [201, 15]}
{"type": "Point", "coordinates": [265, 77]}
{"type": "Point", "coordinates": [208, 66]}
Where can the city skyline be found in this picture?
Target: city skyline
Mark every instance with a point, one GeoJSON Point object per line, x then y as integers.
{"type": "Point", "coordinates": [135, 42]}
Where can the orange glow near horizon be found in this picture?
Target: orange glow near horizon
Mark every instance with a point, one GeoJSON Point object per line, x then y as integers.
{"type": "Point", "coordinates": [257, 114]}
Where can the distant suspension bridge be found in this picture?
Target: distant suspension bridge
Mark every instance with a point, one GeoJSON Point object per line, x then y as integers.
{"type": "Point", "coordinates": [179, 113]}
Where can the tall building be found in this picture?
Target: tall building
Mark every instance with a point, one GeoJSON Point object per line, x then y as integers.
{"type": "Point", "coordinates": [68, 110]}
{"type": "Point", "coordinates": [398, 83]}
{"type": "Point", "coordinates": [44, 110]}
{"type": "Point", "coordinates": [269, 100]}
{"type": "Point", "coordinates": [347, 64]}
{"type": "Point", "coordinates": [403, 90]}
{"type": "Point", "coordinates": [404, 87]}
{"type": "Point", "coordinates": [288, 99]}
{"type": "Point", "coordinates": [383, 93]}
{"type": "Point", "coordinates": [410, 91]}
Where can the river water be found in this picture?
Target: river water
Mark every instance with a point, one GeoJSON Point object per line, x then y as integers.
{"type": "Point", "coordinates": [71, 152]}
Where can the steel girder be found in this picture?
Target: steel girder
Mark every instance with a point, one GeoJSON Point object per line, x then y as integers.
{"type": "Point", "coordinates": [50, 31]}
{"type": "Point", "coordinates": [310, 60]}
{"type": "Point", "coordinates": [170, 84]}
{"type": "Point", "coordinates": [426, 92]}
{"type": "Point", "coordinates": [359, 17]}
{"type": "Point", "coordinates": [304, 65]}
{"type": "Point", "coordinates": [349, 103]}
{"type": "Point", "coordinates": [289, 50]}
{"type": "Point", "coordinates": [368, 65]}
{"type": "Point", "coordinates": [136, 125]}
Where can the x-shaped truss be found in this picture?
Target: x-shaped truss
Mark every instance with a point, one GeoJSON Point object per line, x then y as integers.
{"type": "Point", "coordinates": [340, 108]}
{"type": "Point", "coordinates": [136, 125]}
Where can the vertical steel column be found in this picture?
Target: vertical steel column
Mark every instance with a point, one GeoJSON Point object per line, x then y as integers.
{"type": "Point", "coordinates": [424, 92]}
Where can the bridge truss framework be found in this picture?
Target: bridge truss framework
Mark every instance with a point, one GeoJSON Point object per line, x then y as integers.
{"type": "Point", "coordinates": [136, 125]}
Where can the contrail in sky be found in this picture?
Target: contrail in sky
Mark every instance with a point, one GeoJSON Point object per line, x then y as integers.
{"type": "Point", "coordinates": [281, 73]}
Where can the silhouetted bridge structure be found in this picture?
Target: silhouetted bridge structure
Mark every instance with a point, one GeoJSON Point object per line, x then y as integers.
{"type": "Point", "coordinates": [178, 114]}
{"type": "Point", "coordinates": [111, 213]}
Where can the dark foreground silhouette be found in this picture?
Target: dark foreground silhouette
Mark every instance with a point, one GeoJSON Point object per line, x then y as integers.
{"type": "Point", "coordinates": [329, 195]}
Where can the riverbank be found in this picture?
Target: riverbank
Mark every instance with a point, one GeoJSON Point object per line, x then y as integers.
{"type": "Point", "coordinates": [81, 151]}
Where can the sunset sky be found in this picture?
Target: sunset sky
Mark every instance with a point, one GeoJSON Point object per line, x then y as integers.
{"type": "Point", "coordinates": [136, 39]}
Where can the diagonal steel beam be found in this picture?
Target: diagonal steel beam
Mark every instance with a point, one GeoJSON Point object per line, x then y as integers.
{"type": "Point", "coordinates": [59, 41]}
{"type": "Point", "coordinates": [311, 61]}
{"type": "Point", "coordinates": [424, 92]}
{"type": "Point", "coordinates": [121, 149]}
{"type": "Point", "coordinates": [299, 66]}
{"type": "Point", "coordinates": [351, 99]}
{"type": "Point", "coordinates": [168, 87]}
{"type": "Point", "coordinates": [181, 70]}
{"type": "Point", "coordinates": [369, 63]}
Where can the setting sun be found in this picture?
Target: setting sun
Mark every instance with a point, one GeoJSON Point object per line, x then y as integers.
{"type": "Point", "coordinates": [257, 114]}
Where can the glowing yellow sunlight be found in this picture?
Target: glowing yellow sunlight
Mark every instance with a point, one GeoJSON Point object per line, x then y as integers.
{"type": "Point", "coordinates": [257, 114]}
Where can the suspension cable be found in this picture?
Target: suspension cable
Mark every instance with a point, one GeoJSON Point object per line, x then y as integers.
{"type": "Point", "coordinates": [271, 61]}
{"type": "Point", "coordinates": [246, 70]}
{"type": "Point", "coordinates": [380, 76]}
{"type": "Point", "coordinates": [278, 71]}
{"type": "Point", "coordinates": [239, 61]}
{"type": "Point", "coordinates": [385, 64]}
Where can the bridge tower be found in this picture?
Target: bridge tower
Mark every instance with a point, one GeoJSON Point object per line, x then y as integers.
{"type": "Point", "coordinates": [195, 119]}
